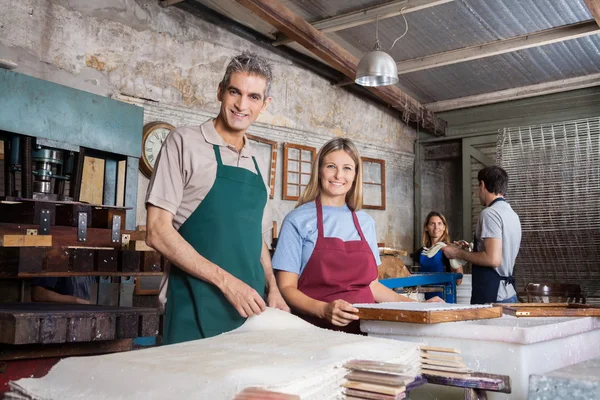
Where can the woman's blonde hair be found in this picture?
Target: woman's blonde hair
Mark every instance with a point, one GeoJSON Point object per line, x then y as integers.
{"type": "Point", "coordinates": [354, 197]}
{"type": "Point", "coordinates": [426, 239]}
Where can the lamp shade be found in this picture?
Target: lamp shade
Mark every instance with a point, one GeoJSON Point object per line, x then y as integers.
{"type": "Point", "coordinates": [376, 68]}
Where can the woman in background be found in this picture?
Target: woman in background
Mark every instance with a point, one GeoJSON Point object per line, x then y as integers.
{"type": "Point", "coordinates": [435, 230]}
{"type": "Point", "coordinates": [326, 257]}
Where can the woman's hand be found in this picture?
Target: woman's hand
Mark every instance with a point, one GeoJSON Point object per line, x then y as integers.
{"type": "Point", "coordinates": [340, 313]}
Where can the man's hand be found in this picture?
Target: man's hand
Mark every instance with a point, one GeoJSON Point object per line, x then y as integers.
{"type": "Point", "coordinates": [451, 252]}
{"type": "Point", "coordinates": [275, 300]}
{"type": "Point", "coordinates": [463, 244]}
{"type": "Point", "coordinates": [435, 299]}
{"type": "Point", "coordinates": [340, 313]}
{"type": "Point", "coordinates": [243, 298]}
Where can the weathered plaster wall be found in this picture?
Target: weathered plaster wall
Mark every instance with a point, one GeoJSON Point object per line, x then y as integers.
{"type": "Point", "coordinates": [139, 49]}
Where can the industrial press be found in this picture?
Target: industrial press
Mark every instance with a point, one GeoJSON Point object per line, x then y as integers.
{"type": "Point", "coordinates": [49, 134]}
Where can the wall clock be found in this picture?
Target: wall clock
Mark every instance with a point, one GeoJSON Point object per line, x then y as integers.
{"type": "Point", "coordinates": [154, 134]}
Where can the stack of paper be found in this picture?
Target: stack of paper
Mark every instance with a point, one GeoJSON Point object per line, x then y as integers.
{"type": "Point", "coordinates": [275, 351]}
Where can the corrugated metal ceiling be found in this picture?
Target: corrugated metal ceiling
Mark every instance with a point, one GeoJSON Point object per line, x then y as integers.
{"type": "Point", "coordinates": [454, 25]}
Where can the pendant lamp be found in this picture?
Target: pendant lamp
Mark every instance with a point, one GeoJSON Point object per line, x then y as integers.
{"type": "Point", "coordinates": [378, 68]}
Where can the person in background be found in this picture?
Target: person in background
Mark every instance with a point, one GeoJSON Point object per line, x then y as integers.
{"type": "Point", "coordinates": [496, 243]}
{"type": "Point", "coordinates": [435, 230]}
{"type": "Point", "coordinates": [73, 289]}
{"type": "Point", "coordinates": [327, 257]}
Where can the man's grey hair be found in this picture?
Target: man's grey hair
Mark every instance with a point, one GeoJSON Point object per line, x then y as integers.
{"type": "Point", "coordinates": [252, 64]}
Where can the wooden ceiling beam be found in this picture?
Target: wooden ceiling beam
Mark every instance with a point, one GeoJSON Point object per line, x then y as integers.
{"type": "Point", "coordinates": [594, 7]}
{"type": "Point", "coordinates": [367, 16]}
{"type": "Point", "coordinates": [523, 92]}
{"type": "Point", "coordinates": [339, 58]}
{"type": "Point", "coordinates": [168, 3]}
{"type": "Point", "coordinates": [496, 47]}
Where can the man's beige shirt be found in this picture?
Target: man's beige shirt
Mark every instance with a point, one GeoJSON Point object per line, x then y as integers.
{"type": "Point", "coordinates": [186, 169]}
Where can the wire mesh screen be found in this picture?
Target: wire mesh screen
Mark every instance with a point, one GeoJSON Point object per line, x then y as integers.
{"type": "Point", "coordinates": [554, 187]}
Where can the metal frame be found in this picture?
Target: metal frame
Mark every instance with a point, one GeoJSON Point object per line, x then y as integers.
{"type": "Point", "coordinates": [446, 279]}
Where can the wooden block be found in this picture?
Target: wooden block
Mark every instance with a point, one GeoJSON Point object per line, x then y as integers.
{"type": "Point", "coordinates": [477, 380]}
{"type": "Point", "coordinates": [428, 317]}
{"type": "Point", "coordinates": [149, 325]}
{"type": "Point", "coordinates": [376, 378]}
{"type": "Point", "coordinates": [16, 260]}
{"type": "Point", "coordinates": [151, 261]}
{"type": "Point", "coordinates": [20, 352]}
{"type": "Point", "coordinates": [81, 259]}
{"type": "Point", "coordinates": [362, 395]}
{"type": "Point", "coordinates": [107, 260]}
{"type": "Point", "coordinates": [129, 261]}
{"type": "Point", "coordinates": [26, 212]}
{"type": "Point", "coordinates": [427, 361]}
{"type": "Point", "coordinates": [67, 235]}
{"type": "Point", "coordinates": [103, 217]}
{"type": "Point", "coordinates": [447, 369]}
{"type": "Point", "coordinates": [139, 245]}
{"type": "Point", "coordinates": [440, 357]}
{"type": "Point", "coordinates": [377, 367]}
{"type": "Point", "coordinates": [447, 374]}
{"type": "Point", "coordinates": [68, 214]}
{"type": "Point", "coordinates": [127, 326]}
{"type": "Point", "coordinates": [26, 240]}
{"type": "Point", "coordinates": [558, 310]}
{"type": "Point", "coordinates": [439, 349]}
{"type": "Point", "coordinates": [369, 387]}
{"type": "Point", "coordinates": [57, 259]}
{"type": "Point", "coordinates": [92, 180]}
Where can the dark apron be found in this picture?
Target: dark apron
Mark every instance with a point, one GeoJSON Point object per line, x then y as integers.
{"type": "Point", "coordinates": [339, 270]}
{"type": "Point", "coordinates": [433, 264]}
{"type": "Point", "coordinates": [486, 280]}
{"type": "Point", "coordinates": [226, 229]}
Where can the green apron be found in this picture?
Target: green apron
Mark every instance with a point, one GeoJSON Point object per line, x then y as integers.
{"type": "Point", "coordinates": [226, 229]}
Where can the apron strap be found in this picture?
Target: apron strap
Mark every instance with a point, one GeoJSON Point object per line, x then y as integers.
{"type": "Point", "coordinates": [218, 154]}
{"type": "Point", "coordinates": [319, 216]}
{"type": "Point", "coordinates": [257, 169]}
{"type": "Point", "coordinates": [357, 225]}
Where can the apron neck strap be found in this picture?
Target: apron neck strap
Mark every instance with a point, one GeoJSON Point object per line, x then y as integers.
{"type": "Point", "coordinates": [218, 154]}
{"type": "Point", "coordinates": [320, 220]}
{"type": "Point", "coordinates": [319, 216]}
{"type": "Point", "coordinates": [357, 225]}
{"type": "Point", "coordinates": [257, 169]}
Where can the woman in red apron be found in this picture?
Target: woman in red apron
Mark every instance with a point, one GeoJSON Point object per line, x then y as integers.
{"type": "Point", "coordinates": [325, 261]}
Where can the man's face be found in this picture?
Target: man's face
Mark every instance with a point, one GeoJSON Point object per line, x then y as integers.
{"type": "Point", "coordinates": [242, 100]}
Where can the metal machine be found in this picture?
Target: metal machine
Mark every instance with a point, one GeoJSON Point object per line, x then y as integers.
{"type": "Point", "coordinates": [446, 280]}
{"type": "Point", "coordinates": [47, 131]}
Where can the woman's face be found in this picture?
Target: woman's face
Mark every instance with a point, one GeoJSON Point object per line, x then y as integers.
{"type": "Point", "coordinates": [337, 174]}
{"type": "Point", "coordinates": [435, 228]}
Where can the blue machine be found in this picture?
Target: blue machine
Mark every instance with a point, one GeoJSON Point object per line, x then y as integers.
{"type": "Point", "coordinates": [447, 280]}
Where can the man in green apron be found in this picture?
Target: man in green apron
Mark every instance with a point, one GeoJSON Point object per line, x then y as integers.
{"type": "Point", "coordinates": [206, 203]}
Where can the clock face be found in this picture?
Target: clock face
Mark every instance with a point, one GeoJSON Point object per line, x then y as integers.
{"type": "Point", "coordinates": [153, 144]}
{"type": "Point", "coordinates": [154, 135]}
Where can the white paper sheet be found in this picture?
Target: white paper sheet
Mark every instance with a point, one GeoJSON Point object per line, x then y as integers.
{"type": "Point", "coordinates": [274, 350]}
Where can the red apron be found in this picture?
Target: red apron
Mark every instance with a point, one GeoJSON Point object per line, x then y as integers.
{"type": "Point", "coordinates": [339, 270]}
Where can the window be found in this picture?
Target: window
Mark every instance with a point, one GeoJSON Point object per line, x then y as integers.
{"type": "Point", "coordinates": [266, 151]}
{"type": "Point", "coordinates": [297, 165]}
{"type": "Point", "coordinates": [373, 183]}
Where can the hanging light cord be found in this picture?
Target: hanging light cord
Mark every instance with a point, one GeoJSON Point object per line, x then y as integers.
{"type": "Point", "coordinates": [405, 31]}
